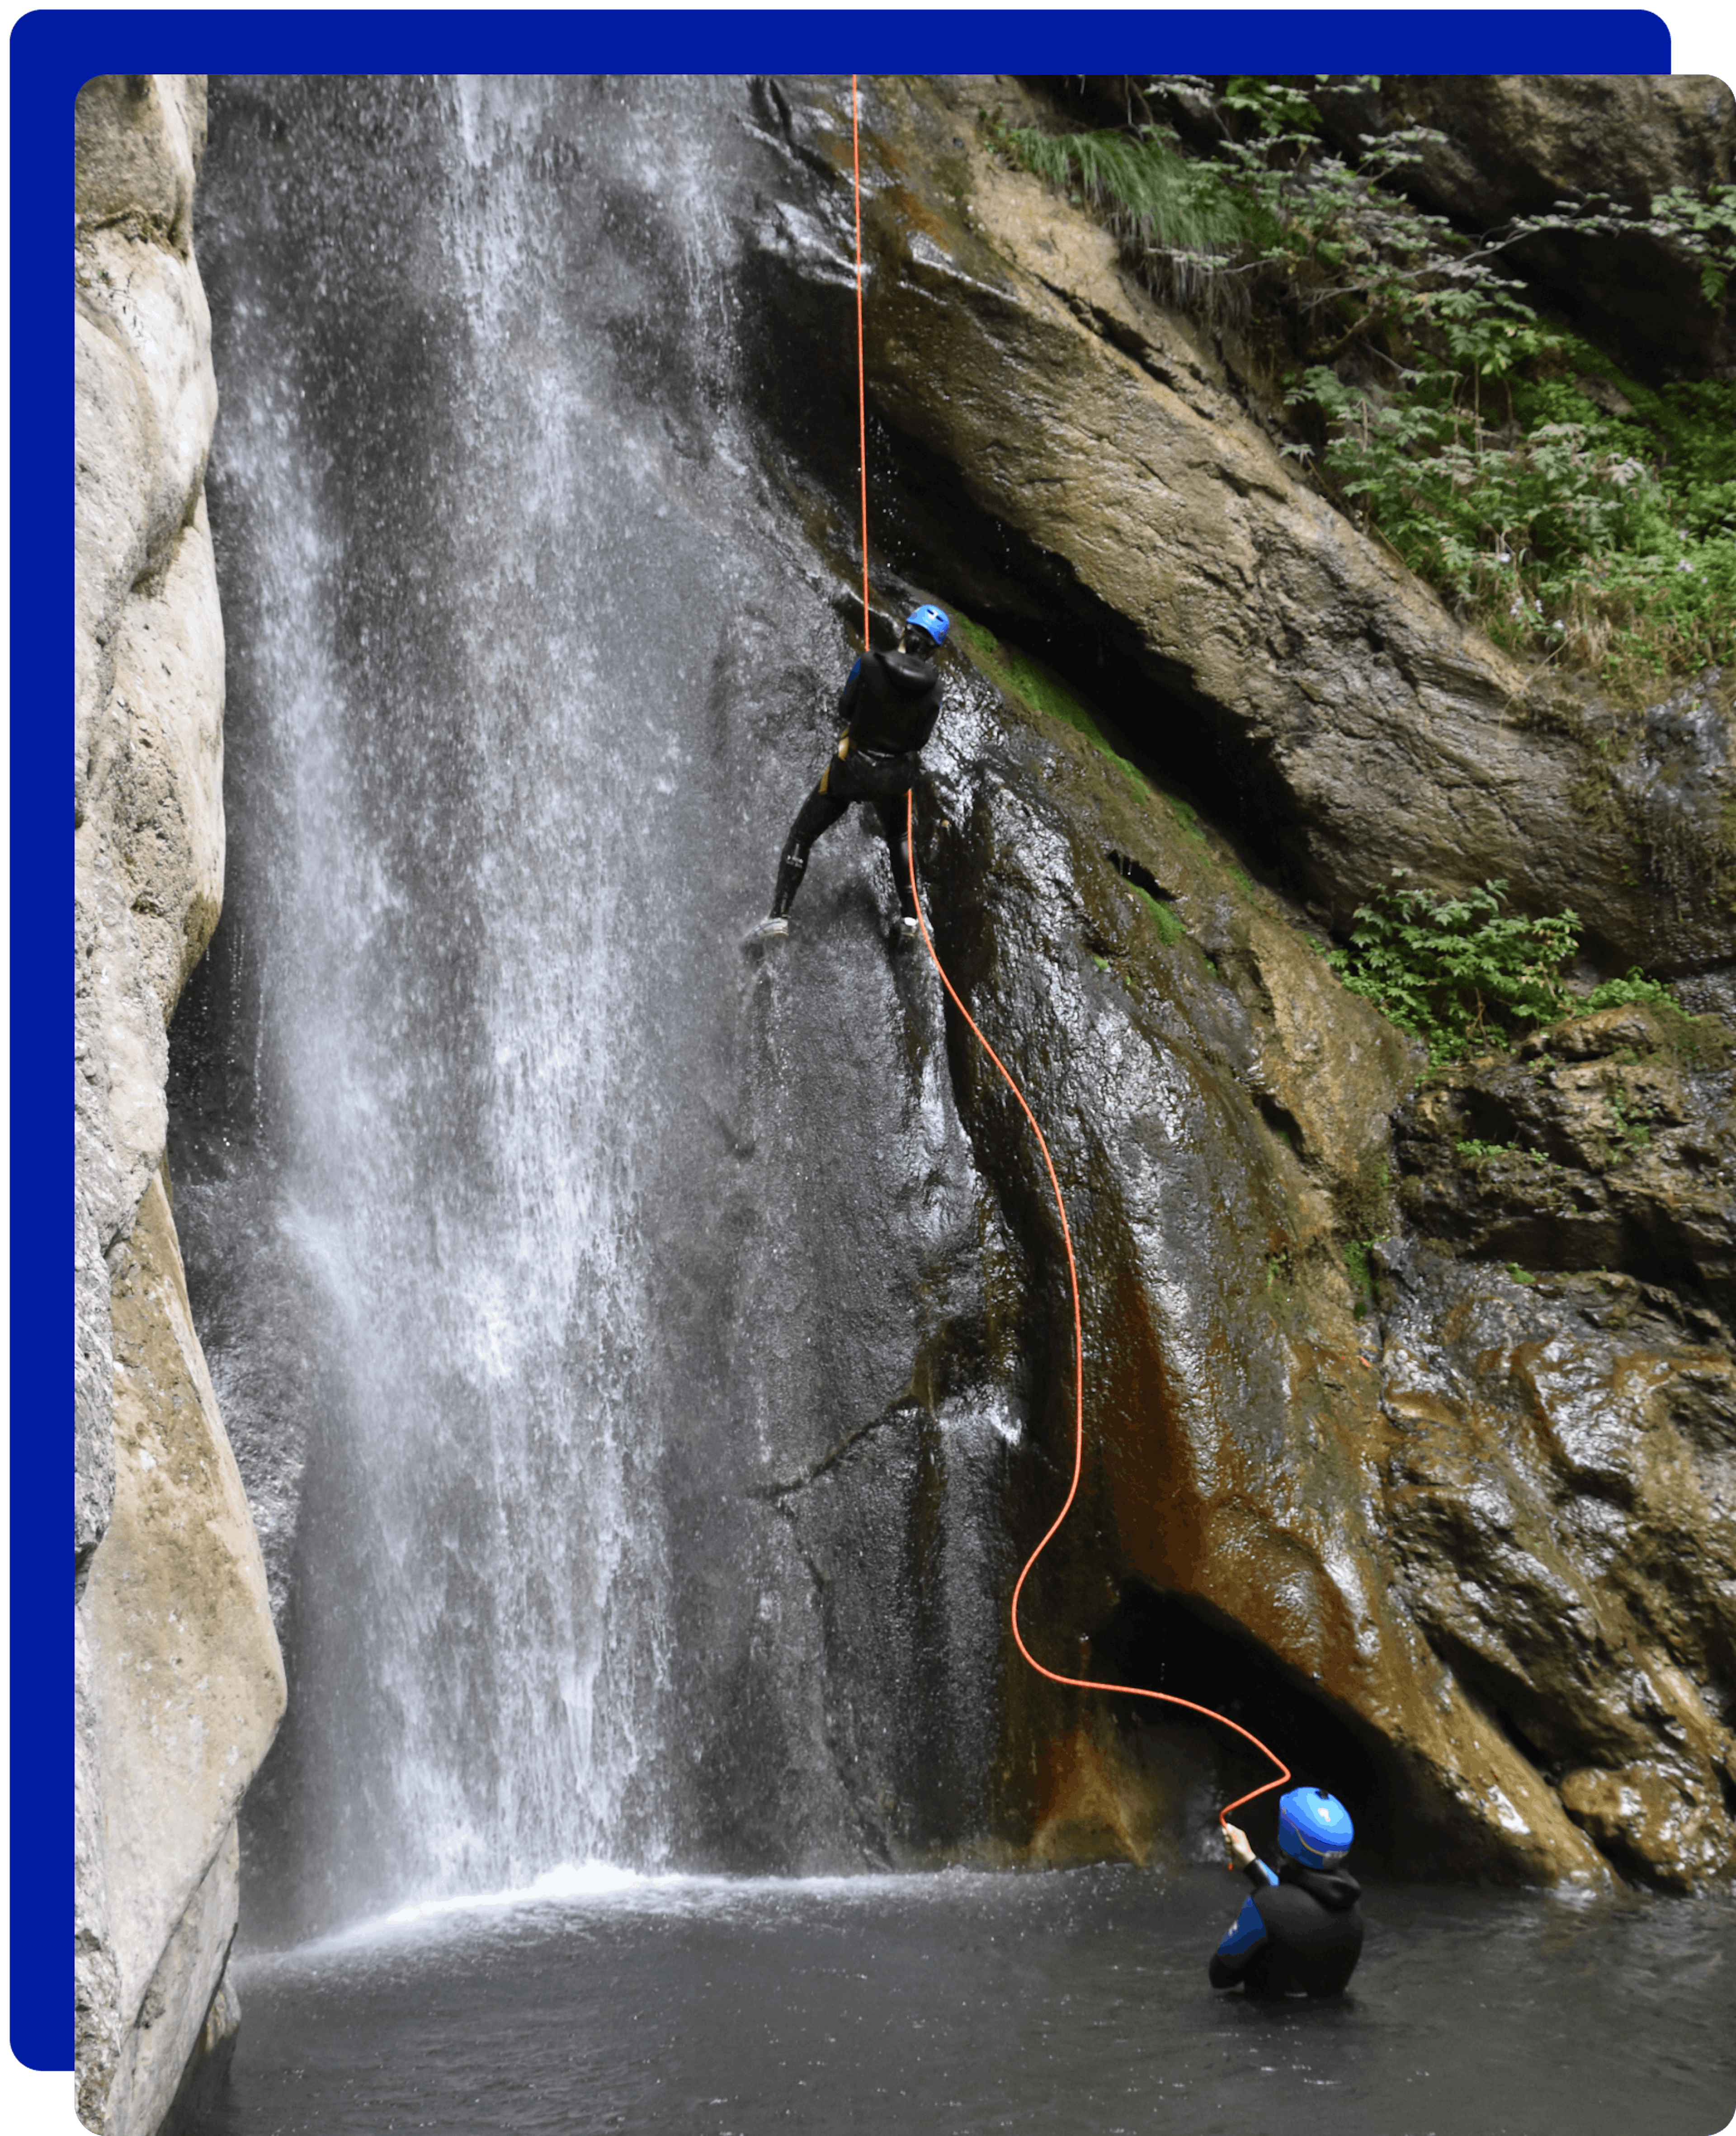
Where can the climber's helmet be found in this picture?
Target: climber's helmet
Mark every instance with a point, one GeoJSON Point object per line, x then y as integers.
{"type": "Point", "coordinates": [1314, 1827]}
{"type": "Point", "coordinates": [926, 628]}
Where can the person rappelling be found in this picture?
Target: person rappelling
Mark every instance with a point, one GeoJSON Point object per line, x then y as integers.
{"type": "Point", "coordinates": [1301, 1932]}
{"type": "Point", "coordinates": [890, 703]}
{"type": "Point", "coordinates": [1308, 1934]}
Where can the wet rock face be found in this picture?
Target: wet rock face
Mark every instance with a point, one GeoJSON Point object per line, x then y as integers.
{"type": "Point", "coordinates": [1560, 1492]}
{"type": "Point", "coordinates": [1236, 1441]}
{"type": "Point", "coordinates": [1518, 144]}
{"type": "Point", "coordinates": [1559, 1500]}
{"type": "Point", "coordinates": [1607, 1143]}
{"type": "Point", "coordinates": [1076, 463]}
{"type": "Point", "coordinates": [1255, 1460]}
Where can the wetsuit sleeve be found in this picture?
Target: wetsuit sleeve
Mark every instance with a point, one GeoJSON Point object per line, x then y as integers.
{"type": "Point", "coordinates": [1237, 1952]}
{"type": "Point", "coordinates": [852, 690]}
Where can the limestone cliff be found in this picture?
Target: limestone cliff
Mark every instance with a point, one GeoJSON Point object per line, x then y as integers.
{"type": "Point", "coordinates": [179, 1683]}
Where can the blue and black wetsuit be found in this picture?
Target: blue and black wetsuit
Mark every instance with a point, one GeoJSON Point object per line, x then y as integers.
{"type": "Point", "coordinates": [888, 711]}
{"type": "Point", "coordinates": [1300, 1933]}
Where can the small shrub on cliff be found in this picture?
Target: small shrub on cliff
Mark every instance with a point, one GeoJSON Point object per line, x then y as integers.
{"type": "Point", "coordinates": [1634, 991]}
{"type": "Point", "coordinates": [1454, 971]}
{"type": "Point", "coordinates": [1460, 975]}
{"type": "Point", "coordinates": [1606, 540]}
{"type": "Point", "coordinates": [1576, 516]}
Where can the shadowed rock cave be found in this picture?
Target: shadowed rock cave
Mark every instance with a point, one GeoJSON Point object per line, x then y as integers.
{"type": "Point", "coordinates": [1180, 1645]}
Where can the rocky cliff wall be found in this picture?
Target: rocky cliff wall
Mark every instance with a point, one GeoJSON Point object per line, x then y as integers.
{"type": "Point", "coordinates": [1112, 490]}
{"type": "Point", "coordinates": [1477, 1514]}
{"type": "Point", "coordinates": [1520, 144]}
{"type": "Point", "coordinates": [1449, 1526]}
{"type": "Point", "coordinates": [1517, 146]}
{"type": "Point", "coordinates": [179, 1683]}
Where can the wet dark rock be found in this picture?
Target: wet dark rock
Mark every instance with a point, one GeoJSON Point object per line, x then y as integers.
{"type": "Point", "coordinates": [1234, 1434]}
{"type": "Point", "coordinates": [1608, 1143]}
{"type": "Point", "coordinates": [1559, 1495]}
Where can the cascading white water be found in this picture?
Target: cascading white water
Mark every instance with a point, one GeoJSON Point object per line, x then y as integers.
{"type": "Point", "coordinates": [454, 1008]}
{"type": "Point", "coordinates": [529, 665]}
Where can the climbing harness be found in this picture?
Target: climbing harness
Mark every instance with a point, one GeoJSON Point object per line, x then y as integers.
{"type": "Point", "coordinates": [1073, 1682]}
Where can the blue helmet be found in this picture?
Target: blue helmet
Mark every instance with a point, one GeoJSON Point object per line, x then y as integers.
{"type": "Point", "coordinates": [1314, 1827]}
{"type": "Point", "coordinates": [932, 619]}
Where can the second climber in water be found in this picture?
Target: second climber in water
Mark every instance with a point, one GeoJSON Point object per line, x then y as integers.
{"type": "Point", "coordinates": [890, 703]}
{"type": "Point", "coordinates": [1301, 1932]}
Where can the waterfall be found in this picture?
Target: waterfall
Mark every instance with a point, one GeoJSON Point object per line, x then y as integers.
{"type": "Point", "coordinates": [508, 1185]}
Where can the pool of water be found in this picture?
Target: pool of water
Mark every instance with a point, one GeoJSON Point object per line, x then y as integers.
{"type": "Point", "coordinates": [966, 2002]}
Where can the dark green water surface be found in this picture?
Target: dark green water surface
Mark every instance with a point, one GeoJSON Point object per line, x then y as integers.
{"type": "Point", "coordinates": [965, 2002]}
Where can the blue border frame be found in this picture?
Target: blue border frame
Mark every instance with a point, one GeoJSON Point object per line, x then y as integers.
{"type": "Point", "coordinates": [52, 54]}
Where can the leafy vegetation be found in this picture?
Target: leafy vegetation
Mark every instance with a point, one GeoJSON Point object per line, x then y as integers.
{"type": "Point", "coordinates": [1577, 515]}
{"type": "Point", "coordinates": [1454, 971]}
{"type": "Point", "coordinates": [1463, 976]}
{"type": "Point", "coordinates": [1607, 541]}
{"type": "Point", "coordinates": [1460, 975]}
{"type": "Point", "coordinates": [1472, 1152]}
{"type": "Point", "coordinates": [1634, 990]}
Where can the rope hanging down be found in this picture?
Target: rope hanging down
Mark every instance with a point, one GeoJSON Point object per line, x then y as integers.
{"type": "Point", "coordinates": [1076, 1682]}
{"type": "Point", "coordinates": [1073, 1682]}
{"type": "Point", "coordinates": [862, 377]}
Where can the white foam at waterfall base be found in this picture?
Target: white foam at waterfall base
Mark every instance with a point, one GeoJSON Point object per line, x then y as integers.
{"type": "Point", "coordinates": [586, 1886]}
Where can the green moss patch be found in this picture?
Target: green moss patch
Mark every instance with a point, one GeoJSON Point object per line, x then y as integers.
{"type": "Point", "coordinates": [1165, 918]}
{"type": "Point", "coordinates": [1044, 694]}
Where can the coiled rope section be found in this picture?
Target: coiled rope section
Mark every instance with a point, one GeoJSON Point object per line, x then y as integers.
{"type": "Point", "coordinates": [1054, 1676]}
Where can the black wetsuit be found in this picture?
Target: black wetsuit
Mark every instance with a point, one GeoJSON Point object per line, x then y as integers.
{"type": "Point", "coordinates": [1300, 1933]}
{"type": "Point", "coordinates": [888, 711]}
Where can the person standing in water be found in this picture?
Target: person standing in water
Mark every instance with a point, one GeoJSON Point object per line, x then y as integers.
{"type": "Point", "coordinates": [1301, 1932]}
{"type": "Point", "coordinates": [890, 703]}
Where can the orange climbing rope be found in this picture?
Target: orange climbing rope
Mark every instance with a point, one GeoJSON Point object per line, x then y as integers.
{"type": "Point", "coordinates": [1077, 1682]}
{"type": "Point", "coordinates": [862, 377]}
{"type": "Point", "coordinates": [1074, 1682]}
